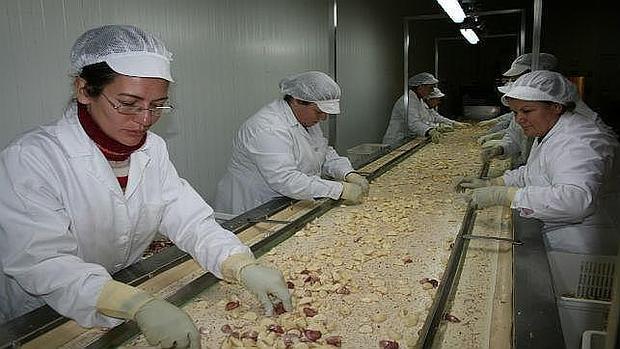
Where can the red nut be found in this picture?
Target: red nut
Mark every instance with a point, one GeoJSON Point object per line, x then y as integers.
{"type": "Point", "coordinates": [343, 290]}
{"type": "Point", "coordinates": [309, 312]}
{"type": "Point", "coordinates": [278, 309]}
{"type": "Point", "coordinates": [226, 329]}
{"type": "Point", "coordinates": [312, 335]}
{"type": "Point", "coordinates": [407, 260]}
{"type": "Point", "coordinates": [275, 328]}
{"type": "Point", "coordinates": [334, 340]}
{"type": "Point", "coordinates": [232, 305]}
{"type": "Point", "coordinates": [451, 318]}
{"type": "Point", "coordinates": [290, 285]}
{"type": "Point", "coordinates": [386, 344]}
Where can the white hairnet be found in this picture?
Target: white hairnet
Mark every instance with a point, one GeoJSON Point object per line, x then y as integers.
{"type": "Point", "coordinates": [523, 63]}
{"type": "Point", "coordinates": [313, 86]}
{"type": "Point", "coordinates": [422, 79]}
{"type": "Point", "coordinates": [128, 50]}
{"type": "Point", "coordinates": [436, 93]}
{"type": "Point", "coordinates": [544, 85]}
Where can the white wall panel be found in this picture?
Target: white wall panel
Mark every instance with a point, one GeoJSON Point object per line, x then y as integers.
{"type": "Point", "coordinates": [369, 69]}
{"type": "Point", "coordinates": [228, 58]}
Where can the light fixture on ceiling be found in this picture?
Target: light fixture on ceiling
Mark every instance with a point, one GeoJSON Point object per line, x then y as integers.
{"type": "Point", "coordinates": [453, 9]}
{"type": "Point", "coordinates": [470, 36]}
{"type": "Point", "coordinates": [469, 27]}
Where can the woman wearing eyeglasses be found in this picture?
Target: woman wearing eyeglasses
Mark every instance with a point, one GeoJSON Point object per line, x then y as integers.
{"type": "Point", "coordinates": [82, 198]}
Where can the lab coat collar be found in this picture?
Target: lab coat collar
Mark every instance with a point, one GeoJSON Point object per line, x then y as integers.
{"type": "Point", "coordinates": [289, 117]}
{"type": "Point", "coordinates": [77, 144]}
{"type": "Point", "coordinates": [559, 125]}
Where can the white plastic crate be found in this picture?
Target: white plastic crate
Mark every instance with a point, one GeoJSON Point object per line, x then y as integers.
{"type": "Point", "coordinates": [362, 153]}
{"type": "Point", "coordinates": [583, 286]}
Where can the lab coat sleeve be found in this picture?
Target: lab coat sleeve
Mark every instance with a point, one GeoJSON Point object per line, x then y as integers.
{"type": "Point", "coordinates": [576, 175]}
{"type": "Point", "coordinates": [37, 248]}
{"type": "Point", "coordinates": [336, 166]}
{"type": "Point", "coordinates": [270, 150]}
{"type": "Point", "coordinates": [417, 127]}
{"type": "Point", "coordinates": [438, 118]}
{"type": "Point", "coordinates": [516, 177]}
{"type": "Point", "coordinates": [189, 221]}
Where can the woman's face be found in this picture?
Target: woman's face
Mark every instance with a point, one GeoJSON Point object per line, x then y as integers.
{"type": "Point", "coordinates": [536, 118]}
{"type": "Point", "coordinates": [125, 90]}
{"type": "Point", "coordinates": [307, 114]}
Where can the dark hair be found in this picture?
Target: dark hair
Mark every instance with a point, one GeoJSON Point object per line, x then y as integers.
{"type": "Point", "coordinates": [97, 76]}
{"type": "Point", "coordinates": [290, 98]}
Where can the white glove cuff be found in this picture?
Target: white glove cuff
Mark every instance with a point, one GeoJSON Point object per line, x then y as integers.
{"type": "Point", "coordinates": [233, 265]}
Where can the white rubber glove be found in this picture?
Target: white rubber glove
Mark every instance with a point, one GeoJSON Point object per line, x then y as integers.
{"type": "Point", "coordinates": [358, 179]}
{"type": "Point", "coordinates": [492, 196]}
{"type": "Point", "coordinates": [434, 135]}
{"type": "Point", "coordinates": [489, 122]}
{"type": "Point", "coordinates": [162, 323]}
{"type": "Point", "coordinates": [444, 128]}
{"type": "Point", "coordinates": [352, 194]}
{"type": "Point", "coordinates": [491, 149]}
{"type": "Point", "coordinates": [473, 182]}
{"type": "Point", "coordinates": [266, 283]}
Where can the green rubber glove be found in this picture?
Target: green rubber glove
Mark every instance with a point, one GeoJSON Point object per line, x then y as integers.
{"type": "Point", "coordinates": [491, 149]}
{"type": "Point", "coordinates": [352, 194]}
{"type": "Point", "coordinates": [434, 135]}
{"type": "Point", "coordinates": [458, 124]}
{"type": "Point", "coordinates": [492, 196]}
{"type": "Point", "coordinates": [473, 182]}
{"type": "Point", "coordinates": [162, 323]}
{"type": "Point", "coordinates": [358, 179]}
{"type": "Point", "coordinates": [491, 136]}
{"type": "Point", "coordinates": [488, 122]}
{"type": "Point", "coordinates": [444, 128]}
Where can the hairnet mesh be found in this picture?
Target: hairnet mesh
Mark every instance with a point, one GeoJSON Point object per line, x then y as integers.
{"type": "Point", "coordinates": [422, 79]}
{"type": "Point", "coordinates": [523, 63]}
{"type": "Point", "coordinates": [98, 44]}
{"type": "Point", "coordinates": [543, 85]}
{"type": "Point", "coordinates": [311, 86]}
{"type": "Point", "coordinates": [436, 93]}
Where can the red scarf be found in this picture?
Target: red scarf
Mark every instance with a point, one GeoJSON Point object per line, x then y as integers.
{"type": "Point", "coordinates": [111, 149]}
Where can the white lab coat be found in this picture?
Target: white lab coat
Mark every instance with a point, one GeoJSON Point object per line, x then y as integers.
{"type": "Point", "coordinates": [274, 155]}
{"type": "Point", "coordinates": [66, 225]}
{"type": "Point", "coordinates": [433, 117]}
{"type": "Point", "coordinates": [571, 183]}
{"type": "Point", "coordinates": [418, 120]}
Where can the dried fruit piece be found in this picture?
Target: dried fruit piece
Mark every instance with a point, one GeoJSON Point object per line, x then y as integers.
{"type": "Point", "coordinates": [387, 344]}
{"type": "Point", "coordinates": [226, 329]}
{"type": "Point", "coordinates": [451, 318]}
{"type": "Point", "coordinates": [309, 312]}
{"type": "Point", "coordinates": [343, 290]}
{"type": "Point", "coordinates": [334, 340]}
{"type": "Point", "coordinates": [276, 328]}
{"type": "Point", "coordinates": [312, 335]}
{"type": "Point", "coordinates": [278, 309]}
{"type": "Point", "coordinates": [231, 305]}
{"type": "Point", "coordinates": [407, 260]}
{"type": "Point", "coordinates": [290, 285]}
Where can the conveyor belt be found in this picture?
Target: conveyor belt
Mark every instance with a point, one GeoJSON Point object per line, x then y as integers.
{"type": "Point", "coordinates": [42, 320]}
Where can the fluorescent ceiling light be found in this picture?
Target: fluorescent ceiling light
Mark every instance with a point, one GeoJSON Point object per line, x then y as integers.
{"type": "Point", "coordinates": [470, 35]}
{"type": "Point", "coordinates": [453, 9]}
